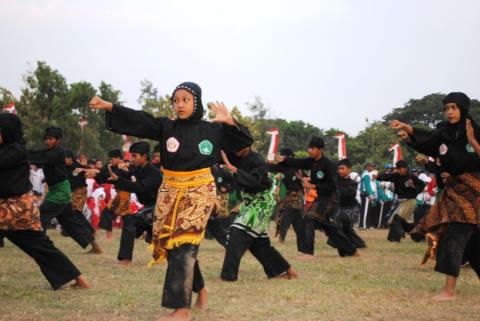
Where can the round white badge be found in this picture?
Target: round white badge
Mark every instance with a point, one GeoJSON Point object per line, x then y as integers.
{"type": "Point", "coordinates": [443, 149]}
{"type": "Point", "coordinates": [172, 145]}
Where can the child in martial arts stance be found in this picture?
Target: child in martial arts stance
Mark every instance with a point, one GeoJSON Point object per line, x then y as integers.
{"type": "Point", "coordinates": [189, 147]}
{"type": "Point", "coordinates": [249, 231]}
{"type": "Point", "coordinates": [19, 215]}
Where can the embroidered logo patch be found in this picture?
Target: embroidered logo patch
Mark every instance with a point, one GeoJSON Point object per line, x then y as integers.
{"type": "Point", "coordinates": [320, 175]}
{"type": "Point", "coordinates": [220, 179]}
{"type": "Point", "coordinates": [443, 149]}
{"type": "Point", "coordinates": [470, 148]}
{"type": "Point", "coordinates": [172, 145]}
{"type": "Point", "coordinates": [205, 147]}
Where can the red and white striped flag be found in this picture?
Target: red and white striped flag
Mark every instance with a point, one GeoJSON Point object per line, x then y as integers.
{"type": "Point", "coordinates": [274, 140]}
{"type": "Point", "coordinates": [10, 108]}
{"type": "Point", "coordinates": [397, 153]}
{"type": "Point", "coordinates": [342, 145]}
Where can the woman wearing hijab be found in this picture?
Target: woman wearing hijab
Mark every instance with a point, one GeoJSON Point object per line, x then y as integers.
{"type": "Point", "coordinates": [454, 219]}
{"type": "Point", "coordinates": [189, 146]}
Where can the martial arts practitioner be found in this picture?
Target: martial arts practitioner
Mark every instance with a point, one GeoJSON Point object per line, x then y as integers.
{"type": "Point", "coordinates": [78, 185]}
{"type": "Point", "coordinates": [58, 200]}
{"type": "Point", "coordinates": [291, 206]}
{"type": "Point", "coordinates": [323, 177]}
{"type": "Point", "coordinates": [407, 186]}
{"type": "Point", "coordinates": [249, 231]}
{"type": "Point", "coordinates": [348, 206]}
{"type": "Point", "coordinates": [19, 215]}
{"type": "Point", "coordinates": [454, 219]}
{"type": "Point", "coordinates": [120, 204]}
{"type": "Point", "coordinates": [145, 185]}
{"type": "Point", "coordinates": [190, 146]}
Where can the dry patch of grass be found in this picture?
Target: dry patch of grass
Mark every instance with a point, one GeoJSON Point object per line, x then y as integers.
{"type": "Point", "coordinates": [384, 284]}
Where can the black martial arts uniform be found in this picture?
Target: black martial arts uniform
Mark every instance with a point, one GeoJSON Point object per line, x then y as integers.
{"type": "Point", "coordinates": [323, 175]}
{"type": "Point", "coordinates": [19, 216]}
{"type": "Point", "coordinates": [249, 231]}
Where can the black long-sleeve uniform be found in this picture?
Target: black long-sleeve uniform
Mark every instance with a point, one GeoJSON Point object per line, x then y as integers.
{"type": "Point", "coordinates": [400, 183]}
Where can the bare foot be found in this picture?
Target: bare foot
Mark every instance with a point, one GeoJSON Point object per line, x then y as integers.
{"type": "Point", "coordinates": [444, 295]}
{"type": "Point", "coordinates": [292, 273]}
{"type": "Point", "coordinates": [81, 283]}
{"type": "Point", "coordinates": [96, 249]}
{"type": "Point", "coordinates": [356, 254]}
{"type": "Point", "coordinates": [202, 299]}
{"type": "Point", "coordinates": [178, 315]}
{"type": "Point", "coordinates": [305, 257]}
{"type": "Point", "coordinates": [109, 235]}
{"type": "Point", "coordinates": [125, 263]}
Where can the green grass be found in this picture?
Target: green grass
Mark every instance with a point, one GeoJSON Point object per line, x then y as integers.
{"type": "Point", "coordinates": [384, 284]}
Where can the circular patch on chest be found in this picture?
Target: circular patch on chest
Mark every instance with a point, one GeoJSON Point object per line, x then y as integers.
{"type": "Point", "coordinates": [320, 175]}
{"type": "Point", "coordinates": [172, 145]}
{"type": "Point", "coordinates": [443, 149]}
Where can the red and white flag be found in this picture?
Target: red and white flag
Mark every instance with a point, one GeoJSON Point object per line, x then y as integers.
{"type": "Point", "coordinates": [274, 140]}
{"type": "Point", "coordinates": [342, 145]}
{"type": "Point", "coordinates": [10, 108]}
{"type": "Point", "coordinates": [397, 153]}
{"type": "Point", "coordinates": [126, 147]}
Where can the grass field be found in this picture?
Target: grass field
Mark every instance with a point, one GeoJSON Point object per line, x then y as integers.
{"type": "Point", "coordinates": [384, 284]}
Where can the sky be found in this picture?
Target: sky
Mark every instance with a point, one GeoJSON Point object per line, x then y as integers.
{"type": "Point", "coordinates": [331, 63]}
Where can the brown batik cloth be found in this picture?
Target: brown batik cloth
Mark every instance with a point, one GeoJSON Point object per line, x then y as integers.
{"type": "Point", "coordinates": [79, 197]}
{"type": "Point", "coordinates": [121, 203]}
{"type": "Point", "coordinates": [323, 208]}
{"type": "Point", "coordinates": [20, 213]}
{"type": "Point", "coordinates": [459, 202]}
{"type": "Point", "coordinates": [293, 199]}
{"type": "Point", "coordinates": [221, 209]}
{"type": "Point", "coordinates": [184, 203]}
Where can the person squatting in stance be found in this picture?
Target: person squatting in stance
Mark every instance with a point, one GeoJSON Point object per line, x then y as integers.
{"type": "Point", "coordinates": [120, 204]}
{"type": "Point", "coordinates": [291, 207]}
{"type": "Point", "coordinates": [348, 207]}
{"type": "Point", "coordinates": [407, 186]}
{"type": "Point", "coordinates": [324, 179]}
{"type": "Point", "coordinates": [19, 215]}
{"type": "Point", "coordinates": [189, 147]}
{"type": "Point", "coordinates": [58, 200]}
{"type": "Point", "coordinates": [145, 185]}
{"type": "Point", "coordinates": [453, 221]}
{"type": "Point", "coordinates": [249, 230]}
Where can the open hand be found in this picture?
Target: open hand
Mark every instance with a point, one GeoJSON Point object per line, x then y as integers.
{"type": "Point", "coordinates": [222, 115]}
{"type": "Point", "coordinates": [228, 165]}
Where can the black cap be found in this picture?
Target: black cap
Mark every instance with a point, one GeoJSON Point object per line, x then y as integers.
{"type": "Point", "coordinates": [116, 153]}
{"type": "Point", "coordinates": [55, 132]}
{"type": "Point", "coordinates": [317, 142]}
{"type": "Point", "coordinates": [142, 148]}
{"type": "Point", "coordinates": [69, 154]}
{"type": "Point", "coordinates": [344, 162]}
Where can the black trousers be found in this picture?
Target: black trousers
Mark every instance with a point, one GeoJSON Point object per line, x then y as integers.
{"type": "Point", "coordinates": [344, 246]}
{"type": "Point", "coordinates": [106, 220]}
{"type": "Point", "coordinates": [345, 219]}
{"type": "Point", "coordinates": [291, 216]}
{"type": "Point", "coordinates": [127, 240]}
{"type": "Point", "coordinates": [273, 263]}
{"type": "Point", "coordinates": [216, 228]}
{"type": "Point", "coordinates": [183, 276]}
{"type": "Point", "coordinates": [84, 220]}
{"type": "Point", "coordinates": [55, 266]}
{"type": "Point", "coordinates": [460, 243]}
{"type": "Point", "coordinates": [70, 222]}
{"type": "Point", "coordinates": [144, 223]}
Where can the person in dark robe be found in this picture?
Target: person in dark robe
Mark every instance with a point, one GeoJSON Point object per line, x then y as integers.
{"type": "Point", "coordinates": [323, 178]}
{"type": "Point", "coordinates": [249, 231]}
{"type": "Point", "coordinates": [145, 184]}
{"type": "Point", "coordinates": [190, 146]}
{"type": "Point", "coordinates": [19, 215]}
{"type": "Point", "coordinates": [452, 223]}
{"type": "Point", "coordinates": [58, 200]}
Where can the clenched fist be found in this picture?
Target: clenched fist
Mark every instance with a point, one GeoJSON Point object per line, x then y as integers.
{"type": "Point", "coordinates": [98, 103]}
